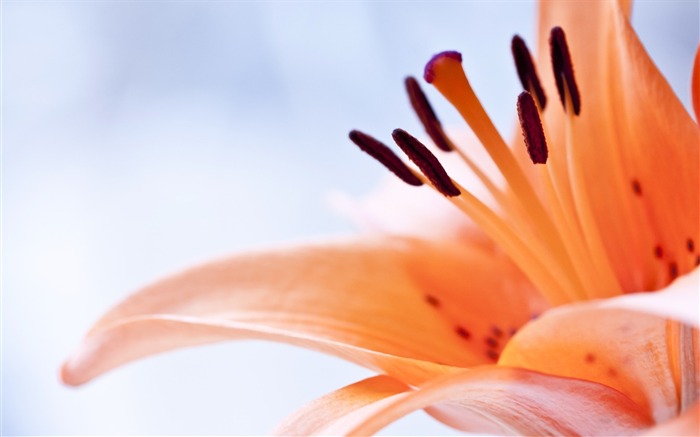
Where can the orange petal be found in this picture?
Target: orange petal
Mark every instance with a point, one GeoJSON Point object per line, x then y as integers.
{"type": "Point", "coordinates": [394, 305]}
{"type": "Point", "coordinates": [506, 401]}
{"type": "Point", "coordinates": [324, 411]}
{"type": "Point", "coordinates": [624, 350]}
{"type": "Point", "coordinates": [687, 424]}
{"type": "Point", "coordinates": [632, 132]}
{"type": "Point", "coordinates": [679, 301]}
{"type": "Point", "coordinates": [141, 336]}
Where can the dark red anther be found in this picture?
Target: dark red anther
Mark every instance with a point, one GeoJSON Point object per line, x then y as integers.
{"type": "Point", "coordinates": [526, 70]}
{"type": "Point", "coordinates": [385, 156]}
{"type": "Point", "coordinates": [427, 116]}
{"type": "Point", "coordinates": [429, 72]}
{"type": "Point", "coordinates": [531, 125]}
{"type": "Point", "coordinates": [564, 69]}
{"type": "Point", "coordinates": [426, 161]}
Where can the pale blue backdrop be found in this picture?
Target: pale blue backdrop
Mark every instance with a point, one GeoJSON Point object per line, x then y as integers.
{"type": "Point", "coordinates": [142, 137]}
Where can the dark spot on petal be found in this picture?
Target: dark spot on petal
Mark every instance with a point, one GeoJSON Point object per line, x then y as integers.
{"type": "Point", "coordinates": [590, 358]}
{"type": "Point", "coordinates": [658, 252]}
{"type": "Point", "coordinates": [612, 372]}
{"type": "Point", "coordinates": [673, 270]}
{"type": "Point", "coordinates": [534, 316]}
{"type": "Point", "coordinates": [496, 331]}
{"type": "Point", "coordinates": [697, 260]}
{"type": "Point", "coordinates": [636, 187]}
{"type": "Point", "coordinates": [512, 331]}
{"type": "Point", "coordinates": [492, 354]}
{"type": "Point", "coordinates": [690, 245]}
{"type": "Point", "coordinates": [491, 342]}
{"type": "Point", "coordinates": [463, 332]}
{"type": "Point", "coordinates": [432, 300]}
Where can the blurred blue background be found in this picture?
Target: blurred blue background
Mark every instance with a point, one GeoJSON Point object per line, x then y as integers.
{"type": "Point", "coordinates": [142, 137]}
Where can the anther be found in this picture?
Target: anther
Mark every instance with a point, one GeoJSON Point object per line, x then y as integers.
{"type": "Point", "coordinates": [564, 69]}
{"type": "Point", "coordinates": [429, 72]}
{"type": "Point", "coordinates": [385, 156]}
{"type": "Point", "coordinates": [427, 116]}
{"type": "Point", "coordinates": [526, 70]}
{"type": "Point", "coordinates": [530, 123]}
{"type": "Point", "coordinates": [426, 161]}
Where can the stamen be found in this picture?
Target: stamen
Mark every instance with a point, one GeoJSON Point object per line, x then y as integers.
{"type": "Point", "coordinates": [385, 156]}
{"type": "Point", "coordinates": [533, 134]}
{"type": "Point", "coordinates": [564, 69]}
{"type": "Point", "coordinates": [433, 128]}
{"type": "Point", "coordinates": [447, 75]}
{"type": "Point", "coordinates": [526, 70]}
{"type": "Point", "coordinates": [426, 161]}
{"type": "Point", "coordinates": [426, 115]}
{"type": "Point", "coordinates": [605, 278]}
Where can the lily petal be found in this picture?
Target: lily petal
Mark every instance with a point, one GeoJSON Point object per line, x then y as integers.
{"type": "Point", "coordinates": [687, 424]}
{"type": "Point", "coordinates": [506, 401]}
{"type": "Point", "coordinates": [613, 347]}
{"type": "Point", "coordinates": [679, 301]}
{"type": "Point", "coordinates": [324, 411]}
{"type": "Point", "coordinates": [636, 143]}
{"type": "Point", "coordinates": [393, 305]}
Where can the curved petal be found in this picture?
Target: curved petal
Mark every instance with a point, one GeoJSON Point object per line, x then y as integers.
{"type": "Point", "coordinates": [679, 301]}
{"type": "Point", "coordinates": [329, 408]}
{"type": "Point", "coordinates": [624, 350]}
{"type": "Point", "coordinates": [410, 299]}
{"type": "Point", "coordinates": [687, 424]}
{"type": "Point", "coordinates": [506, 401]}
{"type": "Point", "coordinates": [141, 336]}
{"type": "Point", "coordinates": [636, 144]}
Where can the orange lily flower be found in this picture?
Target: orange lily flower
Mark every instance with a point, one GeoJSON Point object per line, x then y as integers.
{"type": "Point", "coordinates": [464, 324]}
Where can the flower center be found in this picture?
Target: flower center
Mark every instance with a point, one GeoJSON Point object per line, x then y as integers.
{"type": "Point", "coordinates": [550, 232]}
